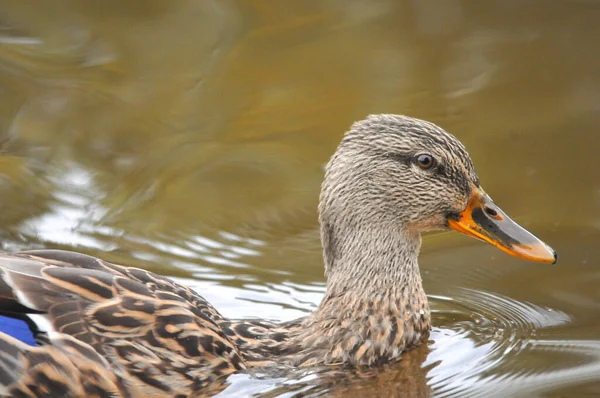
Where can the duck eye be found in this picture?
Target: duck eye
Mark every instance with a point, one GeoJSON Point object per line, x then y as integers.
{"type": "Point", "coordinates": [425, 161]}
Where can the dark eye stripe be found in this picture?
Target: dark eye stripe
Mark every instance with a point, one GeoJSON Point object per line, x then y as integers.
{"type": "Point", "coordinates": [442, 171]}
{"type": "Point", "coordinates": [399, 157]}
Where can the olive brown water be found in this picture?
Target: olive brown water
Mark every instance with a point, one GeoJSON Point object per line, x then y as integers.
{"type": "Point", "coordinates": [189, 138]}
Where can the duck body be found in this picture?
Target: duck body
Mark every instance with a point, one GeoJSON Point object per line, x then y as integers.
{"type": "Point", "coordinates": [124, 331]}
{"type": "Point", "coordinates": [111, 330]}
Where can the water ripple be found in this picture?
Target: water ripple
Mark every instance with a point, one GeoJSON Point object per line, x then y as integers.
{"type": "Point", "coordinates": [476, 333]}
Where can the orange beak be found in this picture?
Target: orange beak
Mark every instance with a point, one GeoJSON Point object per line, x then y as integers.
{"type": "Point", "coordinates": [484, 220]}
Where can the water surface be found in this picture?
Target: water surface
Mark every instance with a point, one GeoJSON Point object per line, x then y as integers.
{"type": "Point", "coordinates": [189, 138]}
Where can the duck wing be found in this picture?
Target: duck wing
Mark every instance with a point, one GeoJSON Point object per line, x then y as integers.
{"type": "Point", "coordinates": [67, 368]}
{"type": "Point", "coordinates": [121, 330]}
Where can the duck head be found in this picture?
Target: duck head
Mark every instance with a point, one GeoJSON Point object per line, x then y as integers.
{"type": "Point", "coordinates": [398, 173]}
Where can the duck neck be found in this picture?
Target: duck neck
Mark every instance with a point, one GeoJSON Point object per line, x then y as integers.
{"type": "Point", "coordinates": [371, 261]}
{"type": "Point", "coordinates": [375, 305]}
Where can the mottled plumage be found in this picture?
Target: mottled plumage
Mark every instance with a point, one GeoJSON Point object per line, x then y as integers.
{"type": "Point", "coordinates": [121, 331]}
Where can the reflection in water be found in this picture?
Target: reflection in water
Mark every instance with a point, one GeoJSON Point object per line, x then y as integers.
{"type": "Point", "coordinates": [72, 212]}
{"type": "Point", "coordinates": [189, 138]}
{"type": "Point", "coordinates": [493, 329]}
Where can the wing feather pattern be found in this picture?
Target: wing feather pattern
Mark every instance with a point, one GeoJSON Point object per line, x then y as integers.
{"type": "Point", "coordinates": [116, 331]}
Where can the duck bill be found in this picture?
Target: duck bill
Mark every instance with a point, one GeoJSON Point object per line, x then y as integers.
{"type": "Point", "coordinates": [482, 219]}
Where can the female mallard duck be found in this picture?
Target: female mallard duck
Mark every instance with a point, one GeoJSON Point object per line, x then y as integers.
{"type": "Point", "coordinates": [120, 331]}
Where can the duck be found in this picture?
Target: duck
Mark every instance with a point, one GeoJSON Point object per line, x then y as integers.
{"type": "Point", "coordinates": [93, 328]}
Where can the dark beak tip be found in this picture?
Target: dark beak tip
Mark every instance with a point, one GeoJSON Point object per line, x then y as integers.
{"type": "Point", "coordinates": [555, 257]}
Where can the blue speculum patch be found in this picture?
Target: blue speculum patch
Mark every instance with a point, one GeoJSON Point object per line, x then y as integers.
{"type": "Point", "coordinates": [18, 329]}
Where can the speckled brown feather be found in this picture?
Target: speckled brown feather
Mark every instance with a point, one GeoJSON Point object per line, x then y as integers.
{"type": "Point", "coordinates": [68, 368]}
{"type": "Point", "coordinates": [155, 336]}
{"type": "Point", "coordinates": [120, 331]}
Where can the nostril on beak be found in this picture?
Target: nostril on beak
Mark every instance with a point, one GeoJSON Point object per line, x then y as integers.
{"type": "Point", "coordinates": [490, 211]}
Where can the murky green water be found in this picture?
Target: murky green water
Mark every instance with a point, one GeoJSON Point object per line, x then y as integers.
{"type": "Point", "coordinates": [189, 138]}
